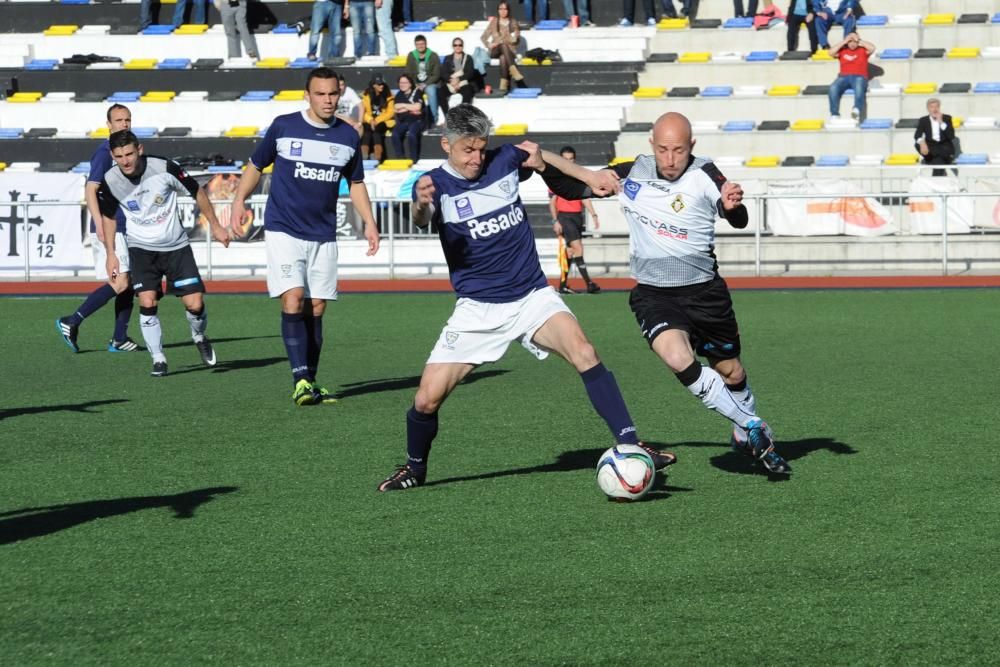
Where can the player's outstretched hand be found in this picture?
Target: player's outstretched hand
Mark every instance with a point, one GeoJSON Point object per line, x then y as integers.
{"type": "Point", "coordinates": [605, 183]}
{"type": "Point", "coordinates": [221, 234]}
{"type": "Point", "coordinates": [371, 234]}
{"type": "Point", "coordinates": [534, 152]}
{"type": "Point", "coordinates": [732, 195]}
{"type": "Point", "coordinates": [425, 190]}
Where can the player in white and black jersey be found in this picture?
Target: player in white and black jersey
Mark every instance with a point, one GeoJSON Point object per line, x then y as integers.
{"type": "Point", "coordinates": [671, 201]}
{"type": "Point", "coordinates": [145, 189]}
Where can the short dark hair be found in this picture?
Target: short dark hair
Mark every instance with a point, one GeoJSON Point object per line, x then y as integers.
{"type": "Point", "coordinates": [419, 38]}
{"type": "Point", "coordinates": [117, 106]}
{"type": "Point", "coordinates": [568, 149]}
{"type": "Point", "coordinates": [320, 73]}
{"type": "Point", "coordinates": [121, 139]}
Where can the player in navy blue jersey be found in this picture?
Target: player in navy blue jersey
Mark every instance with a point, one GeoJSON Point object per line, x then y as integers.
{"type": "Point", "coordinates": [474, 203]}
{"type": "Point", "coordinates": [311, 151]}
{"type": "Point", "coordinates": [119, 118]}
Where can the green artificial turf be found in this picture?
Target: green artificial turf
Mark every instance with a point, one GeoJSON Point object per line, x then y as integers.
{"type": "Point", "coordinates": [203, 517]}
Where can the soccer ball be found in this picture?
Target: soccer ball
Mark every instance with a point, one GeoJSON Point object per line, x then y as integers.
{"type": "Point", "coordinates": [625, 472]}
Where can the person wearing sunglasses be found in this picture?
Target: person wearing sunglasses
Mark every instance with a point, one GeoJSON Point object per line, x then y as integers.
{"type": "Point", "coordinates": [457, 77]}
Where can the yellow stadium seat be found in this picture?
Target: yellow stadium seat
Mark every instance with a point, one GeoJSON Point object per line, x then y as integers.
{"type": "Point", "coordinates": [168, 2]}
{"type": "Point", "coordinates": [241, 131]}
{"type": "Point", "coordinates": [783, 91]}
{"type": "Point", "coordinates": [648, 92]}
{"type": "Point", "coordinates": [764, 161]}
{"type": "Point", "coordinates": [902, 159]}
{"type": "Point", "coordinates": [512, 129]}
{"type": "Point", "coordinates": [158, 96]}
{"type": "Point", "coordinates": [268, 169]}
{"type": "Point", "coordinates": [939, 19]}
{"type": "Point", "coordinates": [141, 63]}
{"type": "Point", "coordinates": [963, 52]}
{"type": "Point", "coordinates": [100, 133]}
{"type": "Point", "coordinates": [25, 97]}
{"type": "Point", "coordinates": [807, 125]}
{"type": "Point", "coordinates": [3, 165]}
{"type": "Point", "coordinates": [273, 63]}
{"type": "Point", "coordinates": [531, 62]}
{"type": "Point", "coordinates": [672, 24]}
{"type": "Point", "coordinates": [695, 57]}
{"type": "Point", "coordinates": [822, 54]}
{"type": "Point", "coordinates": [60, 30]}
{"type": "Point", "coordinates": [621, 160]}
{"type": "Point", "coordinates": [452, 26]}
{"type": "Point", "coordinates": [920, 89]}
{"type": "Point", "coordinates": [396, 165]}
{"type": "Point", "coordinates": [191, 29]}
{"type": "Point", "coordinates": [289, 96]}
{"type": "Point", "coordinates": [396, 61]}
{"type": "Point", "coordinates": [299, 0]}
{"type": "Point", "coordinates": [956, 121]}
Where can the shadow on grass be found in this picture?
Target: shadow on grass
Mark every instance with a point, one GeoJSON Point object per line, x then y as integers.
{"type": "Point", "coordinates": [791, 450]}
{"type": "Point", "coordinates": [24, 524]}
{"type": "Point", "coordinates": [226, 366]}
{"type": "Point", "coordinates": [578, 459]}
{"type": "Point", "coordinates": [66, 407]}
{"type": "Point", "coordinates": [412, 382]}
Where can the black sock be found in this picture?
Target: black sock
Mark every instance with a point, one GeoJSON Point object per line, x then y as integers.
{"type": "Point", "coordinates": [123, 313]}
{"type": "Point", "coordinates": [314, 339]}
{"type": "Point", "coordinates": [581, 266]}
{"type": "Point", "coordinates": [421, 429]}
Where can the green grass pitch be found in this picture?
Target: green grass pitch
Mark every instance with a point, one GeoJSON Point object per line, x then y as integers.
{"type": "Point", "coordinates": [203, 518]}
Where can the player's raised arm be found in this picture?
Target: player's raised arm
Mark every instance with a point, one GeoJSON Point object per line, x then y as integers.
{"type": "Point", "coordinates": [731, 205]}
{"type": "Point", "coordinates": [363, 205]}
{"type": "Point", "coordinates": [568, 179]}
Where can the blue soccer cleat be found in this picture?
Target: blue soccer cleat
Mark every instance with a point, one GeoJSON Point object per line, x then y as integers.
{"type": "Point", "coordinates": [69, 332]}
{"type": "Point", "coordinates": [759, 445]}
{"type": "Point", "coordinates": [127, 345]}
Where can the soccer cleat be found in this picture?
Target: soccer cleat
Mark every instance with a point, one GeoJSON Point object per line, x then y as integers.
{"type": "Point", "coordinates": [650, 21]}
{"type": "Point", "coordinates": [759, 445]}
{"type": "Point", "coordinates": [68, 332]}
{"type": "Point", "coordinates": [304, 393]}
{"type": "Point", "coordinates": [855, 113]}
{"type": "Point", "coordinates": [207, 352]}
{"type": "Point", "coordinates": [405, 477]}
{"type": "Point", "coordinates": [593, 288]}
{"type": "Point", "coordinates": [563, 289]}
{"type": "Point", "coordinates": [323, 395]}
{"type": "Point", "coordinates": [127, 345]}
{"type": "Point", "coordinates": [625, 23]}
{"type": "Point", "coordinates": [661, 459]}
{"type": "Point", "coordinates": [159, 369]}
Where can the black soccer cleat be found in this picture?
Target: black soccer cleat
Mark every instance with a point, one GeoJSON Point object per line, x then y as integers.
{"type": "Point", "coordinates": [405, 477]}
{"type": "Point", "coordinates": [207, 352]}
{"type": "Point", "coordinates": [661, 459]}
{"type": "Point", "coordinates": [564, 289]}
{"type": "Point", "coordinates": [759, 446]}
{"type": "Point", "coordinates": [68, 332]}
{"type": "Point", "coordinates": [593, 288]}
{"type": "Point", "coordinates": [127, 345]}
{"type": "Point", "coordinates": [159, 369]}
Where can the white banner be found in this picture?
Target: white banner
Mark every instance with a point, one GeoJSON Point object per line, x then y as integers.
{"type": "Point", "coordinates": [987, 208]}
{"type": "Point", "coordinates": [927, 213]}
{"type": "Point", "coordinates": [831, 213]}
{"type": "Point", "coordinates": [54, 237]}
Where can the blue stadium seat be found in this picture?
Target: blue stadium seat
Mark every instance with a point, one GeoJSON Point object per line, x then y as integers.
{"type": "Point", "coordinates": [75, 2]}
{"type": "Point", "coordinates": [876, 124]}
{"type": "Point", "coordinates": [551, 24]}
{"type": "Point", "coordinates": [285, 29]}
{"type": "Point", "coordinates": [262, 131]}
{"type": "Point", "coordinates": [524, 93]}
{"type": "Point", "coordinates": [717, 91]}
{"type": "Point", "coordinates": [873, 19]}
{"type": "Point", "coordinates": [42, 64]}
{"type": "Point", "coordinates": [419, 26]}
{"type": "Point", "coordinates": [174, 63]}
{"type": "Point", "coordinates": [738, 126]}
{"type": "Point", "coordinates": [257, 96]}
{"type": "Point", "coordinates": [896, 54]}
{"type": "Point", "coordinates": [302, 63]}
{"type": "Point", "coordinates": [972, 158]}
{"type": "Point", "coordinates": [159, 29]}
{"type": "Point", "coordinates": [742, 22]}
{"type": "Point", "coordinates": [122, 96]}
{"type": "Point", "coordinates": [369, 165]}
{"type": "Point", "coordinates": [144, 132]}
{"type": "Point", "coordinates": [996, 18]}
{"type": "Point", "coordinates": [762, 56]}
{"type": "Point", "coordinates": [81, 168]}
{"type": "Point", "coordinates": [225, 168]}
{"type": "Point", "coordinates": [832, 161]}
{"type": "Point", "coordinates": [987, 87]}
{"type": "Point", "coordinates": [11, 132]}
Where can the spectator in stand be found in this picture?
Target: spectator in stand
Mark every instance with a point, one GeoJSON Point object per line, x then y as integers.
{"type": "Point", "coordinates": [409, 109]}
{"type": "Point", "coordinates": [424, 66]}
{"type": "Point", "coordinates": [145, 14]}
{"type": "Point", "coordinates": [853, 54]}
{"type": "Point", "coordinates": [198, 16]}
{"type": "Point", "coordinates": [234, 22]}
{"type": "Point", "coordinates": [628, 12]}
{"type": "Point", "coordinates": [457, 76]}
{"type": "Point", "coordinates": [349, 107]}
{"type": "Point", "coordinates": [327, 13]}
{"type": "Point", "coordinates": [582, 10]}
{"type": "Point", "coordinates": [541, 11]}
{"type": "Point", "coordinates": [378, 117]}
{"type": "Point", "coordinates": [769, 16]}
{"type": "Point", "coordinates": [363, 25]}
{"type": "Point", "coordinates": [738, 8]}
{"type": "Point", "coordinates": [934, 137]}
{"type": "Point", "coordinates": [845, 14]}
{"type": "Point", "coordinates": [799, 13]}
{"type": "Point", "coordinates": [501, 37]}
{"type": "Point", "coordinates": [383, 17]}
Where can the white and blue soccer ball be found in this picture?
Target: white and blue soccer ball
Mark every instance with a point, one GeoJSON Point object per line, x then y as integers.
{"type": "Point", "coordinates": [625, 472]}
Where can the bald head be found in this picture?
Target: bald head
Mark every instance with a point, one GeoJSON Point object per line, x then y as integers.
{"type": "Point", "coordinates": [672, 143]}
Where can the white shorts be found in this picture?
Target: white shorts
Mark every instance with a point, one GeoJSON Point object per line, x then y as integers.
{"type": "Point", "coordinates": [101, 255]}
{"type": "Point", "coordinates": [293, 263]}
{"type": "Point", "coordinates": [479, 333]}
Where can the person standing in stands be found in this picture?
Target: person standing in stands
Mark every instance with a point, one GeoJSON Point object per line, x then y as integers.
{"type": "Point", "coordinates": [327, 13]}
{"type": "Point", "coordinates": [540, 13]}
{"type": "Point", "coordinates": [199, 15]}
{"type": "Point", "coordinates": [828, 16]}
{"type": "Point", "coordinates": [383, 18]}
{"type": "Point", "coordinates": [738, 8]}
{"type": "Point", "coordinates": [363, 26]}
{"type": "Point", "coordinates": [501, 37]}
{"type": "Point", "coordinates": [424, 66]}
{"type": "Point", "coordinates": [568, 222]}
{"type": "Point", "coordinates": [799, 12]}
{"type": "Point", "coordinates": [582, 10]}
{"type": "Point", "coordinates": [628, 13]}
{"type": "Point", "coordinates": [234, 22]}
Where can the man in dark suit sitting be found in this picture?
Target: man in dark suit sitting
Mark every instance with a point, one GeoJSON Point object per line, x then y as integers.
{"type": "Point", "coordinates": [934, 137]}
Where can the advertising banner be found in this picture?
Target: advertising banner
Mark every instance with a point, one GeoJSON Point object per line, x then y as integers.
{"type": "Point", "coordinates": [54, 235]}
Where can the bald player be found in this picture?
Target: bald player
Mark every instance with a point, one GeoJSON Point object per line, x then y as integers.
{"type": "Point", "coordinates": [671, 200]}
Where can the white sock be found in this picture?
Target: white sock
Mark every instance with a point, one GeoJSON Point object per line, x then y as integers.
{"type": "Point", "coordinates": [747, 401]}
{"type": "Point", "coordinates": [153, 335]}
{"type": "Point", "coordinates": [198, 324]}
{"type": "Point", "coordinates": [712, 390]}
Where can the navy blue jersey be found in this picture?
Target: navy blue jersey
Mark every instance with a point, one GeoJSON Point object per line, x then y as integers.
{"type": "Point", "coordinates": [309, 160]}
{"type": "Point", "coordinates": [100, 163]}
{"type": "Point", "coordinates": [484, 230]}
